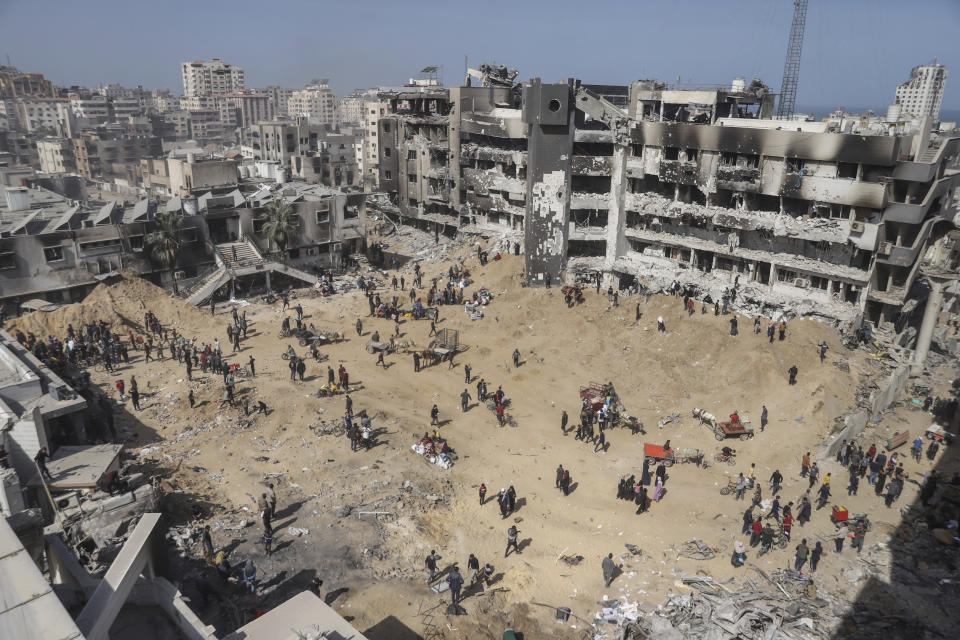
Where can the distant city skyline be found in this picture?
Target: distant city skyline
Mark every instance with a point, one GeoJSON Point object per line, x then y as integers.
{"type": "Point", "coordinates": [852, 55]}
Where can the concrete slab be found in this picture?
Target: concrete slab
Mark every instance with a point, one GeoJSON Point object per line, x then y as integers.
{"type": "Point", "coordinates": [81, 467]}
{"type": "Point", "coordinates": [302, 613]}
{"type": "Point", "coordinates": [28, 606]}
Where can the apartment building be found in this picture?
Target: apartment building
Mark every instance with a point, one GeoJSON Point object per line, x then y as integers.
{"type": "Point", "coordinates": [38, 115]}
{"type": "Point", "coordinates": [315, 102]}
{"type": "Point", "coordinates": [350, 107]}
{"type": "Point", "coordinates": [95, 107]}
{"type": "Point", "coordinates": [653, 184]}
{"type": "Point", "coordinates": [108, 153]}
{"type": "Point", "coordinates": [308, 151]}
{"type": "Point", "coordinates": [211, 78]}
{"type": "Point", "coordinates": [922, 94]}
{"type": "Point", "coordinates": [279, 97]}
{"type": "Point", "coordinates": [56, 155]}
{"type": "Point", "coordinates": [373, 110]}
{"type": "Point", "coordinates": [245, 108]}
{"type": "Point", "coordinates": [18, 84]}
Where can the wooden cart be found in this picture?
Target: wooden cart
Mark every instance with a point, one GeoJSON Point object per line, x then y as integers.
{"type": "Point", "coordinates": [653, 453]}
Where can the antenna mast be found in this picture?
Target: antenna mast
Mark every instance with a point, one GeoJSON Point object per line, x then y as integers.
{"type": "Point", "coordinates": [791, 67]}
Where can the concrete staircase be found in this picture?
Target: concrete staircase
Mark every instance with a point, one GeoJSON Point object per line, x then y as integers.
{"type": "Point", "coordinates": [235, 254]}
{"type": "Point", "coordinates": [238, 259]}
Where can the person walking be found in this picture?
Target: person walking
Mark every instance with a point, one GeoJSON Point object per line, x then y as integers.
{"type": "Point", "coordinates": [747, 521]}
{"type": "Point", "coordinates": [359, 326]}
{"type": "Point", "coordinates": [801, 555]}
{"type": "Point", "coordinates": [814, 472]}
{"type": "Point", "coordinates": [41, 461]}
{"type": "Point", "coordinates": [253, 369]}
{"type": "Point", "coordinates": [135, 397]}
{"type": "Point", "coordinates": [609, 569]}
{"type": "Point", "coordinates": [839, 536]}
{"type": "Point", "coordinates": [434, 415]}
{"type": "Point", "coordinates": [465, 400]}
{"type": "Point", "coordinates": [763, 419]}
{"type": "Point", "coordinates": [815, 556]}
{"type": "Point", "coordinates": [859, 532]}
{"type": "Point", "coordinates": [430, 563]}
{"type": "Point", "coordinates": [733, 326]}
{"type": "Point", "coordinates": [601, 443]}
{"type": "Point", "coordinates": [455, 582]}
{"type": "Point", "coordinates": [191, 399]}
{"type": "Point", "coordinates": [776, 479]}
{"type": "Point", "coordinates": [565, 482]}
{"type": "Point", "coordinates": [559, 476]}
{"type": "Point", "coordinates": [854, 484]}
{"type": "Point", "coordinates": [805, 465]}
{"type": "Point", "coordinates": [792, 371]}
{"type": "Point", "coordinates": [466, 373]}
{"type": "Point", "coordinates": [416, 362]}
{"type": "Point", "coordinates": [272, 500]}
{"type": "Point", "coordinates": [823, 354]}
{"type": "Point", "coordinates": [483, 493]}
{"type": "Point", "coordinates": [741, 487]}
{"type": "Point", "coordinates": [516, 358]}
{"type": "Point", "coordinates": [512, 534]}
{"type": "Point", "coordinates": [563, 422]}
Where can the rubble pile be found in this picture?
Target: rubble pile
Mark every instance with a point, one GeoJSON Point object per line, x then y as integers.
{"type": "Point", "coordinates": [120, 304]}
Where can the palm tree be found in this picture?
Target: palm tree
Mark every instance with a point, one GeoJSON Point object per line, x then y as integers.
{"type": "Point", "coordinates": [280, 222]}
{"type": "Point", "coordinates": [164, 242]}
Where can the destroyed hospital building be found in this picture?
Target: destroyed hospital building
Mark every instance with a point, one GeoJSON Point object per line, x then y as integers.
{"type": "Point", "coordinates": [702, 186]}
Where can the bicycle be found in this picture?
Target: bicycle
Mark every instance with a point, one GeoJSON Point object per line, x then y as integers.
{"type": "Point", "coordinates": [335, 428]}
{"type": "Point", "coordinates": [730, 488]}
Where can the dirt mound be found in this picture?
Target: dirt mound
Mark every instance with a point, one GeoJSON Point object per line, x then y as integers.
{"type": "Point", "coordinates": [121, 305]}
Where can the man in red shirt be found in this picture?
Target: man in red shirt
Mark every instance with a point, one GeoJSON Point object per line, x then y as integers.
{"type": "Point", "coordinates": [500, 414]}
{"type": "Point", "coordinates": [787, 525]}
{"type": "Point", "coordinates": [757, 529]}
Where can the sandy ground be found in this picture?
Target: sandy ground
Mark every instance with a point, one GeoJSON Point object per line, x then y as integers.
{"type": "Point", "coordinates": [373, 564]}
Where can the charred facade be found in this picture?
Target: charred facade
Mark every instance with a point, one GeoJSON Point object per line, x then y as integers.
{"type": "Point", "coordinates": [700, 186]}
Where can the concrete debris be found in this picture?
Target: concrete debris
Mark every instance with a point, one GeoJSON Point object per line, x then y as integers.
{"type": "Point", "coordinates": [696, 550]}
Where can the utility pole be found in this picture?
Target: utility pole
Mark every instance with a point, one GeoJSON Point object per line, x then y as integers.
{"type": "Point", "coordinates": [791, 67]}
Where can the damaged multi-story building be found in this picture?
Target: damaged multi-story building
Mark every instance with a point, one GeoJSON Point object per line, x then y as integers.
{"type": "Point", "coordinates": [58, 247]}
{"type": "Point", "coordinates": [701, 186]}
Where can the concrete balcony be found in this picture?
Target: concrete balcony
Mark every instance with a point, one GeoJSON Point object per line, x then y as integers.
{"type": "Point", "coordinates": [592, 165]}
{"type": "Point", "coordinates": [589, 135]}
{"type": "Point", "coordinates": [581, 200]}
{"type": "Point", "coordinates": [471, 152]}
{"type": "Point", "coordinates": [915, 213]}
{"type": "Point", "coordinates": [834, 190]}
{"type": "Point", "coordinates": [678, 171]}
{"type": "Point", "coordinates": [587, 233]}
{"type": "Point", "coordinates": [739, 179]}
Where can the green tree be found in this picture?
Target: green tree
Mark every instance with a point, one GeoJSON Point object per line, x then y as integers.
{"type": "Point", "coordinates": [280, 222]}
{"type": "Point", "coordinates": [164, 241]}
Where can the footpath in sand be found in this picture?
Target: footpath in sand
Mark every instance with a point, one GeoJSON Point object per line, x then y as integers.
{"type": "Point", "coordinates": [372, 564]}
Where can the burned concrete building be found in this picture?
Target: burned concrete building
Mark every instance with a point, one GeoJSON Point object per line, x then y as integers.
{"type": "Point", "coordinates": [57, 249]}
{"type": "Point", "coordinates": [700, 186]}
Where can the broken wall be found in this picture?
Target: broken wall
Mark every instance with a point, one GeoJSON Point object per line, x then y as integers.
{"type": "Point", "coordinates": [546, 112]}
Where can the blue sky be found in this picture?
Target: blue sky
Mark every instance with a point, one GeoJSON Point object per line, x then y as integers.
{"type": "Point", "coordinates": [855, 51]}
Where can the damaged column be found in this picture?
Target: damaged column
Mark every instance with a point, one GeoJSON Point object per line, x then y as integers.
{"type": "Point", "coordinates": [546, 112]}
{"type": "Point", "coordinates": [930, 314]}
{"type": "Point", "coordinates": [616, 216]}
